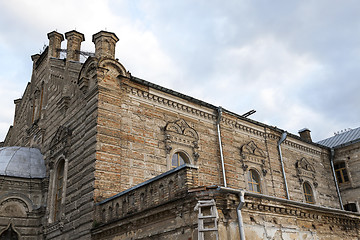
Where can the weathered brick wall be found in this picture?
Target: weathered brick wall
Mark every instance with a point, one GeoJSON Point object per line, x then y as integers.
{"type": "Point", "coordinates": [273, 219]}
{"type": "Point", "coordinates": [132, 119]}
{"type": "Point", "coordinates": [21, 201]}
{"type": "Point", "coordinates": [350, 191]}
{"type": "Point", "coordinates": [152, 208]}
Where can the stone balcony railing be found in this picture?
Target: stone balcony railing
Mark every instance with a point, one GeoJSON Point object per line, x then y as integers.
{"type": "Point", "coordinates": [168, 186]}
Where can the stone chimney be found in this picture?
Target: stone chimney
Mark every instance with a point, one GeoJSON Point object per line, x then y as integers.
{"type": "Point", "coordinates": [74, 40]}
{"type": "Point", "coordinates": [105, 44]}
{"type": "Point", "coordinates": [305, 134]}
{"type": "Point", "coordinates": [55, 40]}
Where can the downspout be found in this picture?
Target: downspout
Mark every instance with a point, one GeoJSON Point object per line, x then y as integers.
{"type": "Point", "coordinates": [241, 194]}
{"type": "Point", "coordinates": [335, 180]}
{"type": "Point", "coordinates": [238, 211]}
{"type": "Point", "coordinates": [282, 139]}
{"type": "Point", "coordinates": [220, 144]}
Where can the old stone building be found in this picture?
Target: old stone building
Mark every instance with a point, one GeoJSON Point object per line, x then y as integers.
{"type": "Point", "coordinates": [95, 153]}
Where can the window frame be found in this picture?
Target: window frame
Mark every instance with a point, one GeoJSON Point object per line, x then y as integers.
{"type": "Point", "coordinates": [181, 155]}
{"type": "Point", "coordinates": [251, 183]}
{"type": "Point", "coordinates": [339, 172]}
{"type": "Point", "coordinates": [308, 195]}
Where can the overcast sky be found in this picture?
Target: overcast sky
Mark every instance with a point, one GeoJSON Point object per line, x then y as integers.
{"type": "Point", "coordinates": [295, 62]}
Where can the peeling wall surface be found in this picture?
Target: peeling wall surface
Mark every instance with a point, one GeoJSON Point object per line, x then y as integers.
{"type": "Point", "coordinates": [127, 159]}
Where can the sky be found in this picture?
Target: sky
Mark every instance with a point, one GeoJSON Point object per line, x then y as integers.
{"type": "Point", "coordinates": [295, 62]}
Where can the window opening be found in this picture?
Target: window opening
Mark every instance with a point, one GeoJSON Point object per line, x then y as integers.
{"type": "Point", "coordinates": [341, 172]}
{"type": "Point", "coordinates": [254, 181]}
{"type": "Point", "coordinates": [178, 159]}
{"type": "Point", "coordinates": [59, 189]}
{"type": "Point", "coordinates": [350, 207]}
{"type": "Point", "coordinates": [9, 234]}
{"type": "Point", "coordinates": [309, 196]}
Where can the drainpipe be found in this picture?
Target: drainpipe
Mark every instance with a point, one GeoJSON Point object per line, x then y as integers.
{"type": "Point", "coordinates": [333, 172]}
{"type": "Point", "coordinates": [220, 144]}
{"type": "Point", "coordinates": [282, 139]}
{"type": "Point", "coordinates": [241, 194]}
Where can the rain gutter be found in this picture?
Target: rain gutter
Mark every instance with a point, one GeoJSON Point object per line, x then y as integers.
{"type": "Point", "coordinates": [220, 144]}
{"type": "Point", "coordinates": [332, 154]}
{"type": "Point", "coordinates": [241, 194]}
{"type": "Point", "coordinates": [282, 139]}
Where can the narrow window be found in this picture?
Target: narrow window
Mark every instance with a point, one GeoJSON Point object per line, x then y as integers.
{"type": "Point", "coordinates": [41, 98]}
{"type": "Point", "coordinates": [341, 172]}
{"type": "Point", "coordinates": [178, 159]}
{"type": "Point", "coordinates": [254, 181]}
{"type": "Point", "coordinates": [308, 193]}
{"type": "Point", "coordinates": [59, 189]}
{"type": "Point", "coordinates": [350, 207]}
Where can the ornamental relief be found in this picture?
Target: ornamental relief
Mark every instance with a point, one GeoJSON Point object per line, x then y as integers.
{"type": "Point", "coordinates": [180, 134]}
{"type": "Point", "coordinates": [60, 144]}
{"type": "Point", "coordinates": [251, 154]}
{"type": "Point", "coordinates": [305, 171]}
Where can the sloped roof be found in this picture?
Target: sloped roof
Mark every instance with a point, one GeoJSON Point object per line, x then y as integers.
{"type": "Point", "coordinates": [22, 162]}
{"type": "Point", "coordinates": [342, 138]}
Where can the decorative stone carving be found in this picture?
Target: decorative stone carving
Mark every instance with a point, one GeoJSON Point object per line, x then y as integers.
{"type": "Point", "coordinates": [305, 171]}
{"type": "Point", "coordinates": [180, 134]}
{"type": "Point", "coordinates": [61, 141]}
{"type": "Point", "coordinates": [251, 154]}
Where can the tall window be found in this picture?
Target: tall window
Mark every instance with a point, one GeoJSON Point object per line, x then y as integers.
{"type": "Point", "coordinates": [254, 181]}
{"type": "Point", "coordinates": [178, 159]}
{"type": "Point", "coordinates": [308, 193]}
{"type": "Point", "coordinates": [341, 172]}
{"type": "Point", "coordinates": [59, 189]}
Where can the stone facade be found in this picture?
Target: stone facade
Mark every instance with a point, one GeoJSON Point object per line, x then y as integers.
{"type": "Point", "coordinates": [113, 143]}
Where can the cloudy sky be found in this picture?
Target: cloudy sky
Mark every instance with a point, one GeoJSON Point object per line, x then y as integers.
{"type": "Point", "coordinates": [295, 62]}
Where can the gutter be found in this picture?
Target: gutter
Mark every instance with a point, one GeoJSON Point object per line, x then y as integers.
{"type": "Point", "coordinates": [220, 144]}
{"type": "Point", "coordinates": [335, 180]}
{"type": "Point", "coordinates": [241, 194]}
{"type": "Point", "coordinates": [282, 139]}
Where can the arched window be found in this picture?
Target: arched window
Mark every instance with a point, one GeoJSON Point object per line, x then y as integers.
{"type": "Point", "coordinates": [254, 181]}
{"type": "Point", "coordinates": [9, 234]}
{"type": "Point", "coordinates": [59, 186]}
{"type": "Point", "coordinates": [178, 159]}
{"type": "Point", "coordinates": [308, 193]}
{"type": "Point", "coordinates": [341, 172]}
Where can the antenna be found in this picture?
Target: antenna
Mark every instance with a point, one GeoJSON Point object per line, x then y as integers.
{"type": "Point", "coordinates": [248, 113]}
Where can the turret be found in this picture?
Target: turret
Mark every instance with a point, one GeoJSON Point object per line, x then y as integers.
{"type": "Point", "coordinates": [105, 44]}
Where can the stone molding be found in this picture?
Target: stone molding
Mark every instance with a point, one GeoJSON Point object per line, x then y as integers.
{"type": "Point", "coordinates": [204, 115]}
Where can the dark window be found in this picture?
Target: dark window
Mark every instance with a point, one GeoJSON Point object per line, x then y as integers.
{"type": "Point", "coordinates": [9, 234]}
{"type": "Point", "coordinates": [59, 189]}
{"type": "Point", "coordinates": [341, 172]}
{"type": "Point", "coordinates": [350, 207]}
{"type": "Point", "coordinates": [309, 195]}
{"type": "Point", "coordinates": [254, 181]}
{"type": "Point", "coordinates": [178, 159]}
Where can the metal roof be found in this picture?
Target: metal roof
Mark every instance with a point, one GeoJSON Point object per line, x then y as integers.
{"type": "Point", "coordinates": [22, 162]}
{"type": "Point", "coordinates": [342, 138]}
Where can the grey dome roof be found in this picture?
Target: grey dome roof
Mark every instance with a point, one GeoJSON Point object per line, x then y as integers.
{"type": "Point", "coordinates": [22, 162]}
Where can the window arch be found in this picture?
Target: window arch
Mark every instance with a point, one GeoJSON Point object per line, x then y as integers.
{"type": "Point", "coordinates": [341, 172]}
{"type": "Point", "coordinates": [178, 159]}
{"type": "Point", "coordinates": [9, 234]}
{"type": "Point", "coordinates": [308, 193]}
{"type": "Point", "coordinates": [59, 189]}
{"type": "Point", "coordinates": [254, 181]}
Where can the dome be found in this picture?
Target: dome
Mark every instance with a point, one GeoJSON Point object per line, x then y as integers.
{"type": "Point", "coordinates": [22, 162]}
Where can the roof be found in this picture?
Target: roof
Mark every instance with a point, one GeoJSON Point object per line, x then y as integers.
{"type": "Point", "coordinates": [22, 162]}
{"type": "Point", "coordinates": [348, 137]}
